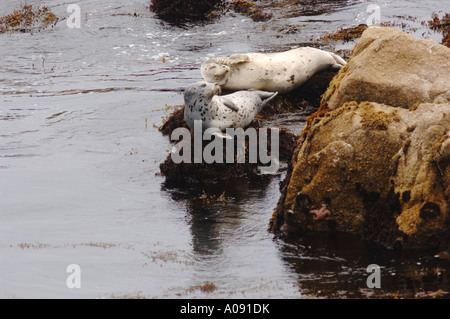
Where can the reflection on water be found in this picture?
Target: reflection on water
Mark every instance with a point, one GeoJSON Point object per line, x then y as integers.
{"type": "Point", "coordinates": [215, 214]}
{"type": "Point", "coordinates": [335, 265]}
{"type": "Point", "coordinates": [80, 155]}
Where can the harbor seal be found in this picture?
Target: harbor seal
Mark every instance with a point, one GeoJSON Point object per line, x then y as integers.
{"type": "Point", "coordinates": [280, 72]}
{"type": "Point", "coordinates": [233, 110]}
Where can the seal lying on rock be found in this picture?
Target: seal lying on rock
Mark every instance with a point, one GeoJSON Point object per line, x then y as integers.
{"type": "Point", "coordinates": [280, 72]}
{"type": "Point", "coordinates": [233, 110]}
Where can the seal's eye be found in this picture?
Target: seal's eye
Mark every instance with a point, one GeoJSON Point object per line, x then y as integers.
{"type": "Point", "coordinates": [203, 85]}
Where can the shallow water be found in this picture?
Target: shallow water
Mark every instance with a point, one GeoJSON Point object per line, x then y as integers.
{"type": "Point", "coordinates": [80, 154]}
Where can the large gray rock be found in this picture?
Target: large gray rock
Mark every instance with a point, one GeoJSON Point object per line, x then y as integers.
{"type": "Point", "coordinates": [346, 157]}
{"type": "Point", "coordinates": [390, 67]}
{"type": "Point", "coordinates": [379, 157]}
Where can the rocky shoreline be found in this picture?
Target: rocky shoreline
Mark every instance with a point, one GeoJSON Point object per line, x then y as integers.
{"type": "Point", "coordinates": [376, 153]}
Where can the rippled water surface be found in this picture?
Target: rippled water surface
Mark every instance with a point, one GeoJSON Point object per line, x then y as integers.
{"type": "Point", "coordinates": [80, 154]}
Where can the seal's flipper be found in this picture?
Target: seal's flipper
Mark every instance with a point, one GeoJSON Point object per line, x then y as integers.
{"type": "Point", "coordinates": [266, 96]}
{"type": "Point", "coordinates": [230, 104]}
{"type": "Point", "coordinates": [340, 62]}
{"type": "Point", "coordinates": [238, 58]}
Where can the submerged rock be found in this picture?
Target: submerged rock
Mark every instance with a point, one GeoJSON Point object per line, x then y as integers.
{"type": "Point", "coordinates": [173, 10]}
{"type": "Point", "coordinates": [203, 174]}
{"type": "Point", "coordinates": [442, 25]}
{"type": "Point", "coordinates": [190, 173]}
{"type": "Point", "coordinates": [251, 10]}
{"type": "Point", "coordinates": [27, 19]}
{"type": "Point", "coordinates": [377, 153]}
{"type": "Point", "coordinates": [346, 34]}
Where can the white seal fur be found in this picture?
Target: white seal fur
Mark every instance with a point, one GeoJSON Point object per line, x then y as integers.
{"type": "Point", "coordinates": [235, 110]}
{"type": "Point", "coordinates": [280, 72]}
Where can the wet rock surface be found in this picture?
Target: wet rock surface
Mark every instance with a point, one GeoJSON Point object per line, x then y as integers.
{"type": "Point", "coordinates": [205, 174]}
{"type": "Point", "coordinates": [377, 151]}
{"type": "Point", "coordinates": [208, 174]}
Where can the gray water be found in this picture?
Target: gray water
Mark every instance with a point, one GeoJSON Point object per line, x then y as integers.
{"type": "Point", "coordinates": [80, 154]}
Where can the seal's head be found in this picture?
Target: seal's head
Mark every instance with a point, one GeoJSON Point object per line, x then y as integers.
{"type": "Point", "coordinates": [200, 92]}
{"type": "Point", "coordinates": [215, 72]}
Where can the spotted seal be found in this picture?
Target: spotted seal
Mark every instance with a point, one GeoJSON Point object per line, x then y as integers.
{"type": "Point", "coordinates": [233, 110]}
{"type": "Point", "coordinates": [280, 72]}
